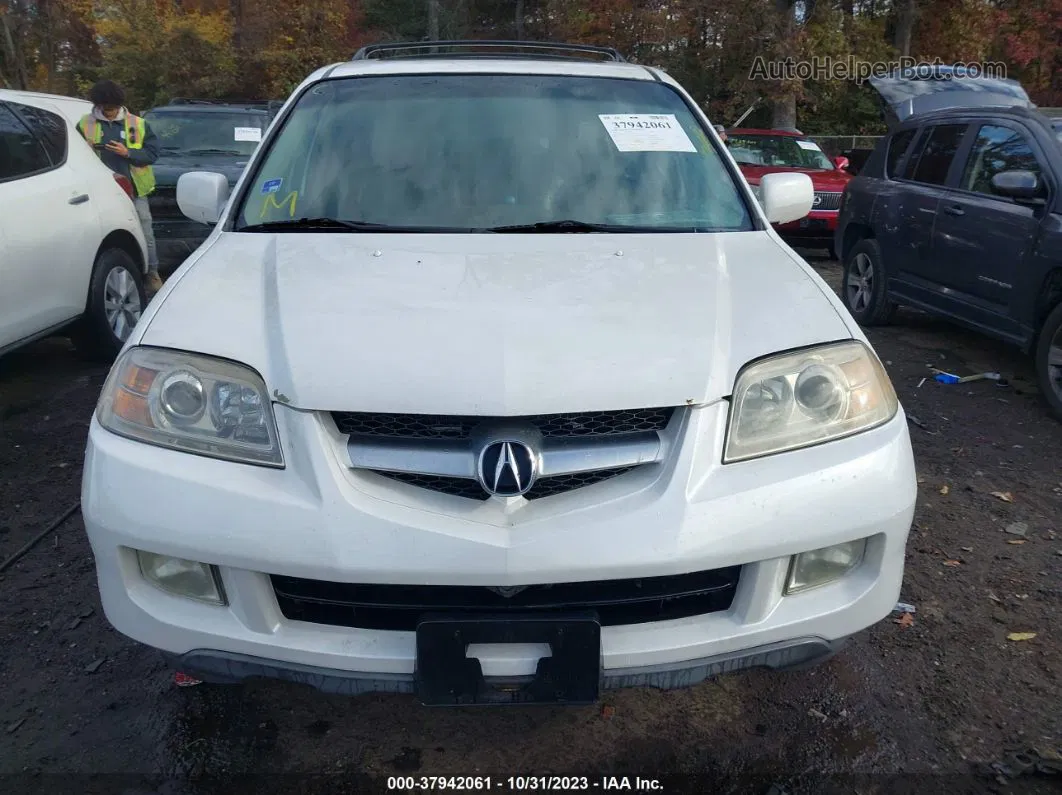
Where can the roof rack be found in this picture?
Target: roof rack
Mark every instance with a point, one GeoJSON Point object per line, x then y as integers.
{"type": "Point", "coordinates": [475, 49]}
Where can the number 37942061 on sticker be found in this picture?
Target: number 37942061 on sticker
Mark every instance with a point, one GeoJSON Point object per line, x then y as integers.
{"type": "Point", "coordinates": [640, 132]}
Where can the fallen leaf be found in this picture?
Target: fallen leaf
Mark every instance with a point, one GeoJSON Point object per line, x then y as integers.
{"type": "Point", "coordinates": [1017, 636]}
{"type": "Point", "coordinates": [966, 549]}
{"type": "Point", "coordinates": [945, 489]}
{"type": "Point", "coordinates": [952, 563]}
{"type": "Point", "coordinates": [815, 713]}
{"type": "Point", "coordinates": [1016, 542]}
{"type": "Point", "coordinates": [14, 727]}
{"type": "Point", "coordinates": [1006, 496]}
{"type": "Point", "coordinates": [906, 620]}
{"type": "Point", "coordinates": [608, 712]}
{"type": "Point", "coordinates": [994, 598]}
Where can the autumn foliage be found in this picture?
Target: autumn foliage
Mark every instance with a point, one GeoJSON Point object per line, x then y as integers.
{"type": "Point", "coordinates": [258, 49]}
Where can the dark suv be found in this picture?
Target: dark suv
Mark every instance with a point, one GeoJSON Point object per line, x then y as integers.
{"type": "Point", "coordinates": [958, 212]}
{"type": "Point", "coordinates": [198, 135]}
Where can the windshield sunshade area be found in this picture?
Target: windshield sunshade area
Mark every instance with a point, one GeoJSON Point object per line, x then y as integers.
{"type": "Point", "coordinates": [207, 133]}
{"type": "Point", "coordinates": [777, 150]}
{"type": "Point", "coordinates": [492, 152]}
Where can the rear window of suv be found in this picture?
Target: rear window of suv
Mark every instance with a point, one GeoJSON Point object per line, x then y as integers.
{"type": "Point", "coordinates": [477, 152]}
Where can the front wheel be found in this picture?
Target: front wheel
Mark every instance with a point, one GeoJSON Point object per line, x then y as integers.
{"type": "Point", "coordinates": [863, 288]}
{"type": "Point", "coordinates": [115, 302]}
{"type": "Point", "coordinates": [1049, 360]}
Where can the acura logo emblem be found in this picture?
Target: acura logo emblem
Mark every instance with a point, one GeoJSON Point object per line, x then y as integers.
{"type": "Point", "coordinates": [507, 468]}
{"type": "Point", "coordinates": [508, 591]}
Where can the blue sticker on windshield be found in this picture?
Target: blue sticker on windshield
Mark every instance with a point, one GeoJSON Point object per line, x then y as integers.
{"type": "Point", "coordinates": [272, 185]}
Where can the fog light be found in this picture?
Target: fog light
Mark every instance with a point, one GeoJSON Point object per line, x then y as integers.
{"type": "Point", "coordinates": [822, 566]}
{"type": "Point", "coordinates": [180, 577]}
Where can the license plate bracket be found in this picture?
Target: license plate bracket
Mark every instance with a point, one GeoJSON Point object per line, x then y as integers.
{"type": "Point", "coordinates": [445, 676]}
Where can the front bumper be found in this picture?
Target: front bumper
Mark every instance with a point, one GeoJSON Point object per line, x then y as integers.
{"type": "Point", "coordinates": [817, 227]}
{"type": "Point", "coordinates": [317, 519]}
{"type": "Point", "coordinates": [175, 241]}
{"type": "Point", "coordinates": [226, 668]}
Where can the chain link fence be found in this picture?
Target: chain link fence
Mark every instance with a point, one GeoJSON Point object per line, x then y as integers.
{"type": "Point", "coordinates": [834, 145]}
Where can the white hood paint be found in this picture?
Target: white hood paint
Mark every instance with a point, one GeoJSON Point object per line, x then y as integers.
{"type": "Point", "coordinates": [493, 324]}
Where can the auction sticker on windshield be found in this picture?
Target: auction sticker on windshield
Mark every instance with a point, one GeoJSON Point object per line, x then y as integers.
{"type": "Point", "coordinates": [638, 132]}
{"type": "Point", "coordinates": [809, 145]}
{"type": "Point", "coordinates": [248, 134]}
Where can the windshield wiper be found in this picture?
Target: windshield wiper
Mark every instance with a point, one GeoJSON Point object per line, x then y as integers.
{"type": "Point", "coordinates": [561, 226]}
{"type": "Point", "coordinates": [324, 224]}
{"type": "Point", "coordinates": [214, 152]}
{"type": "Point", "coordinates": [569, 226]}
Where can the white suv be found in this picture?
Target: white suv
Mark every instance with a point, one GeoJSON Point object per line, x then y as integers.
{"type": "Point", "coordinates": [72, 254]}
{"type": "Point", "coordinates": [493, 383]}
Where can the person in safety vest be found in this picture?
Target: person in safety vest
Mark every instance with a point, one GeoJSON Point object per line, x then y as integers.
{"type": "Point", "coordinates": [127, 146]}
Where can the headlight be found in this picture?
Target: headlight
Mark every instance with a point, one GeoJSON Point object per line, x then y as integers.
{"type": "Point", "coordinates": [805, 398]}
{"type": "Point", "coordinates": [193, 403]}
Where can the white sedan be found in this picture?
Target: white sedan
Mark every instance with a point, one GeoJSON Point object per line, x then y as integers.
{"type": "Point", "coordinates": [72, 253]}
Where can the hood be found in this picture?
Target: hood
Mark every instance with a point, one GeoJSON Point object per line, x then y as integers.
{"type": "Point", "coordinates": [831, 181]}
{"type": "Point", "coordinates": [169, 166]}
{"type": "Point", "coordinates": [914, 91]}
{"type": "Point", "coordinates": [494, 324]}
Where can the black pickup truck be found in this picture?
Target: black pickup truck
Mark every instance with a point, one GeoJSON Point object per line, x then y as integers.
{"type": "Point", "coordinates": [198, 135]}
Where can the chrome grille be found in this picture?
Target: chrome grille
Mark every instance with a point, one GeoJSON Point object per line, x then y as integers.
{"type": "Point", "coordinates": [457, 427]}
{"type": "Point", "coordinates": [471, 490]}
{"type": "Point", "coordinates": [439, 452]}
{"type": "Point", "coordinates": [826, 201]}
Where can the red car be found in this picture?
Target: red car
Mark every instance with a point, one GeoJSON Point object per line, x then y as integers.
{"type": "Point", "coordinates": [760, 152]}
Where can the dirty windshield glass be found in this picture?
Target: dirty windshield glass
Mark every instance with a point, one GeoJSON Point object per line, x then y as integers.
{"type": "Point", "coordinates": [207, 133]}
{"type": "Point", "coordinates": [777, 150]}
{"type": "Point", "coordinates": [482, 152]}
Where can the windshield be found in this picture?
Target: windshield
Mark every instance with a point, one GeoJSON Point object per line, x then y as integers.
{"type": "Point", "coordinates": [777, 150]}
{"type": "Point", "coordinates": [479, 152]}
{"type": "Point", "coordinates": [188, 132]}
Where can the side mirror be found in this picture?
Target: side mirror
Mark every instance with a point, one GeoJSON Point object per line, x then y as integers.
{"type": "Point", "coordinates": [202, 195]}
{"type": "Point", "coordinates": [786, 197]}
{"type": "Point", "coordinates": [841, 162]}
{"type": "Point", "coordinates": [1018, 185]}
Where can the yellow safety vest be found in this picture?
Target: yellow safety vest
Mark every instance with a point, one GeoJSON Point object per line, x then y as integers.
{"type": "Point", "coordinates": [135, 131]}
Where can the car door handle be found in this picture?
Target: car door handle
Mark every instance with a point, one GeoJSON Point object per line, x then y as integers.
{"type": "Point", "coordinates": [955, 210]}
{"type": "Point", "coordinates": [81, 199]}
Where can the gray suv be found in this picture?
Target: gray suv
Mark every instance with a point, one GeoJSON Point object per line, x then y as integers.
{"type": "Point", "coordinates": [958, 212]}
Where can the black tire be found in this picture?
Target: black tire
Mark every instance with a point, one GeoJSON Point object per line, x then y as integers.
{"type": "Point", "coordinates": [94, 335]}
{"type": "Point", "coordinates": [864, 288]}
{"type": "Point", "coordinates": [1050, 375]}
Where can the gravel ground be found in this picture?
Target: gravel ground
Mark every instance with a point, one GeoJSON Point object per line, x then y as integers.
{"type": "Point", "coordinates": [917, 708]}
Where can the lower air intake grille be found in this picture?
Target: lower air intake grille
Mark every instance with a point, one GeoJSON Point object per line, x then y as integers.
{"type": "Point", "coordinates": [399, 607]}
